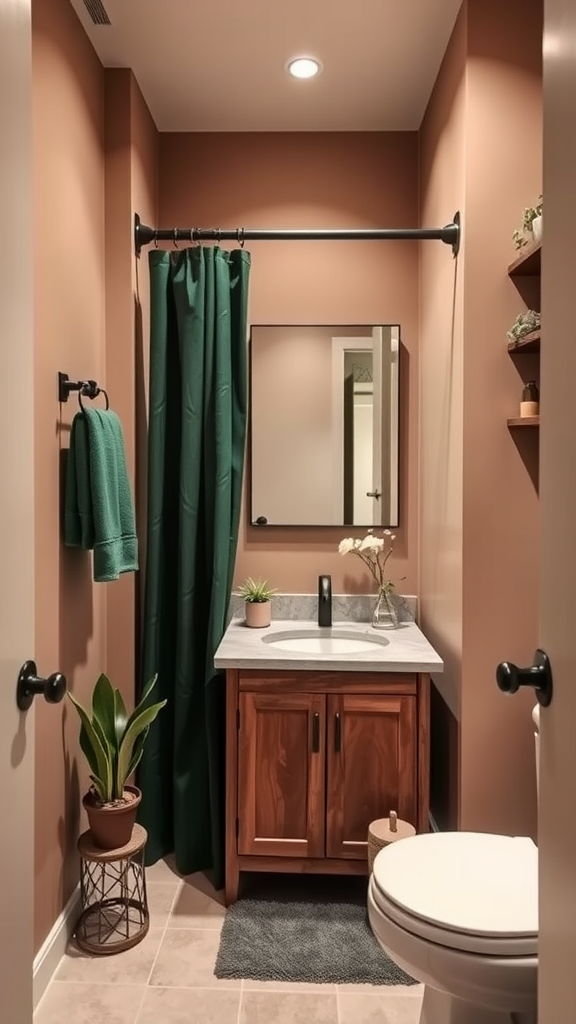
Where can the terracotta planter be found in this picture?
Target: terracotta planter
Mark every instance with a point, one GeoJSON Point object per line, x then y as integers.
{"type": "Point", "coordinates": [258, 614]}
{"type": "Point", "coordinates": [111, 825]}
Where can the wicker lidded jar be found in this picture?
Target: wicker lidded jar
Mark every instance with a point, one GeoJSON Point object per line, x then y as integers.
{"type": "Point", "coordinates": [385, 831]}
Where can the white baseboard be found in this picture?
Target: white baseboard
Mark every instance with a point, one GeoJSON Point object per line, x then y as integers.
{"type": "Point", "coordinates": [53, 948]}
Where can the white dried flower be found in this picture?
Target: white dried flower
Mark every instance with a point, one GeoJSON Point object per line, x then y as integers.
{"type": "Point", "coordinates": [345, 545]}
{"type": "Point", "coordinates": [374, 552]}
{"type": "Point", "coordinates": [369, 543]}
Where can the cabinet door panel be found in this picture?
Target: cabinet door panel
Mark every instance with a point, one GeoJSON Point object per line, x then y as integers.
{"type": "Point", "coordinates": [281, 766]}
{"type": "Point", "coordinates": [371, 743]}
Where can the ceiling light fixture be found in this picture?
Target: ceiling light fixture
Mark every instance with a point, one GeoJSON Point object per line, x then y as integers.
{"type": "Point", "coordinates": [303, 67]}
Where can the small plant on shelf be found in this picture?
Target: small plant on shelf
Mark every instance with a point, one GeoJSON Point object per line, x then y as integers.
{"type": "Point", "coordinates": [531, 222]}
{"type": "Point", "coordinates": [257, 595]}
{"type": "Point", "coordinates": [525, 323]}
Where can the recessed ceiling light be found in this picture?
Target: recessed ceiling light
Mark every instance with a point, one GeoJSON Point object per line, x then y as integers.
{"type": "Point", "coordinates": [304, 67]}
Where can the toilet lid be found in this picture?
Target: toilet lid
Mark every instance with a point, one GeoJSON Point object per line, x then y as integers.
{"type": "Point", "coordinates": [469, 882]}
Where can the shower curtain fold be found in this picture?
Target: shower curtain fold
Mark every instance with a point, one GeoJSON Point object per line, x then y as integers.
{"type": "Point", "coordinates": [197, 430]}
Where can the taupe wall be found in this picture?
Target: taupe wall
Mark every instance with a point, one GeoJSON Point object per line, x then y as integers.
{"type": "Point", "coordinates": [95, 162]}
{"type": "Point", "coordinates": [69, 315]}
{"type": "Point", "coordinates": [503, 174]}
{"type": "Point", "coordinates": [442, 177]}
{"type": "Point", "coordinates": [481, 140]}
{"type": "Point", "coordinates": [442, 188]}
{"type": "Point", "coordinates": [333, 180]}
{"type": "Point", "coordinates": [131, 186]}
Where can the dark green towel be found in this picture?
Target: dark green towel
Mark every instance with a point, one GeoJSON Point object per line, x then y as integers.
{"type": "Point", "coordinates": [98, 506]}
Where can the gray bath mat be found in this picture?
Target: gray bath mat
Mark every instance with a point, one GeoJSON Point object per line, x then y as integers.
{"type": "Point", "coordinates": [315, 933]}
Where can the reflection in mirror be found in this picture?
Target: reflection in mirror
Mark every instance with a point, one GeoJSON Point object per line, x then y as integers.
{"type": "Point", "coordinates": [324, 425]}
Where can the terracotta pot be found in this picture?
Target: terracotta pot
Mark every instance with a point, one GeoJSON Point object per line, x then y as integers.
{"type": "Point", "coordinates": [111, 825]}
{"type": "Point", "coordinates": [258, 614]}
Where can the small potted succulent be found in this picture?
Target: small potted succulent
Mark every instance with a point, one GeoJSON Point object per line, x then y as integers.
{"type": "Point", "coordinates": [256, 594]}
{"type": "Point", "coordinates": [112, 742]}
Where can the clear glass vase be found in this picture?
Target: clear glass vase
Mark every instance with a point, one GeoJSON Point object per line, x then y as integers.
{"type": "Point", "coordinates": [385, 615]}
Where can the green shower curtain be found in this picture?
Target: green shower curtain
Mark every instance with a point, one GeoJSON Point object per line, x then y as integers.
{"type": "Point", "coordinates": [197, 429]}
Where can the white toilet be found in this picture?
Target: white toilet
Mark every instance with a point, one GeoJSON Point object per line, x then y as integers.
{"type": "Point", "coordinates": [458, 911]}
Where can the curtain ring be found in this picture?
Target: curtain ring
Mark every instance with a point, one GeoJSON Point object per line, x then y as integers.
{"type": "Point", "coordinates": [240, 241]}
{"type": "Point", "coordinates": [175, 237]}
{"type": "Point", "coordinates": [155, 239]}
{"type": "Point", "coordinates": [217, 235]}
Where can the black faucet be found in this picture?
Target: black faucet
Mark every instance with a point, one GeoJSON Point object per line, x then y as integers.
{"type": "Point", "coordinates": [324, 600]}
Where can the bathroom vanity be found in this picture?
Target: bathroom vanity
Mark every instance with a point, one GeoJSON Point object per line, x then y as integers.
{"type": "Point", "coordinates": [326, 730]}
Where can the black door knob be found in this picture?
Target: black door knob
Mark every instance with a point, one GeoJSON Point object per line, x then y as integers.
{"type": "Point", "coordinates": [539, 676]}
{"type": "Point", "coordinates": [30, 684]}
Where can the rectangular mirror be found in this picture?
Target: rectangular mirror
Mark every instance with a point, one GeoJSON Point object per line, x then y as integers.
{"type": "Point", "coordinates": [323, 437]}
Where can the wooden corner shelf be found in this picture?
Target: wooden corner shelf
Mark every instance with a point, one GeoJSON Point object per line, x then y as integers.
{"type": "Point", "coordinates": [528, 343]}
{"type": "Point", "coordinates": [523, 421]}
{"type": "Point", "coordinates": [527, 263]}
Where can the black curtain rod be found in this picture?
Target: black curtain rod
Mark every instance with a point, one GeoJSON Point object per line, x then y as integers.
{"type": "Point", "coordinates": [144, 235]}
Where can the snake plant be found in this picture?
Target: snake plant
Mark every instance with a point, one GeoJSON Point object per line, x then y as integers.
{"type": "Point", "coordinates": [111, 740]}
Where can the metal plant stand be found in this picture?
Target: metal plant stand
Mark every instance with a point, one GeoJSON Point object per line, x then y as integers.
{"type": "Point", "coordinates": [114, 914]}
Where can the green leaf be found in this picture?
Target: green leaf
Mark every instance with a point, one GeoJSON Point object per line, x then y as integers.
{"type": "Point", "coordinates": [109, 720]}
{"type": "Point", "coordinates": [138, 723]}
{"type": "Point", "coordinates": [99, 787]}
{"type": "Point", "coordinates": [137, 752]}
{"type": "Point", "coordinates": [106, 710]}
{"type": "Point", "coordinates": [120, 716]}
{"type": "Point", "coordinates": [103, 704]}
{"type": "Point", "coordinates": [92, 742]}
{"type": "Point", "coordinates": [147, 690]}
{"type": "Point", "coordinates": [88, 750]}
{"type": "Point", "coordinates": [110, 751]}
{"type": "Point", "coordinates": [102, 735]}
{"type": "Point", "coordinates": [137, 710]}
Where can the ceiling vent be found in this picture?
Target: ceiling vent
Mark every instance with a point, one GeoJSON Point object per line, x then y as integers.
{"type": "Point", "coordinates": [97, 12]}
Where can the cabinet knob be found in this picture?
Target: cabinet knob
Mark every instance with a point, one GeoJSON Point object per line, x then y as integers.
{"type": "Point", "coordinates": [538, 675]}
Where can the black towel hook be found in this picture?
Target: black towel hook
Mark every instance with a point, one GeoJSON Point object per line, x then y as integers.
{"type": "Point", "coordinates": [91, 390]}
{"type": "Point", "coordinates": [87, 388]}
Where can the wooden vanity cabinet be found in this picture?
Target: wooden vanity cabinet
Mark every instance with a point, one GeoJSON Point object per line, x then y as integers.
{"type": "Point", "coordinates": [312, 759]}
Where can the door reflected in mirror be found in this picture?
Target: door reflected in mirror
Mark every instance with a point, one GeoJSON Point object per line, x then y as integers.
{"type": "Point", "coordinates": [324, 425]}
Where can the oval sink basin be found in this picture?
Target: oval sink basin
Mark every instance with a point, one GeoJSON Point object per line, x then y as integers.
{"type": "Point", "coordinates": [324, 641]}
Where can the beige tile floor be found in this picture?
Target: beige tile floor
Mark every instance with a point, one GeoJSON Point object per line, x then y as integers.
{"type": "Point", "coordinates": [168, 978]}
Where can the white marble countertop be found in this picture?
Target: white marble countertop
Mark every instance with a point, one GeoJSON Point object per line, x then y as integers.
{"type": "Point", "coordinates": [407, 649]}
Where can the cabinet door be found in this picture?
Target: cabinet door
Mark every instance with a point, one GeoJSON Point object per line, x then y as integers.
{"type": "Point", "coordinates": [372, 747]}
{"type": "Point", "coordinates": [281, 769]}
